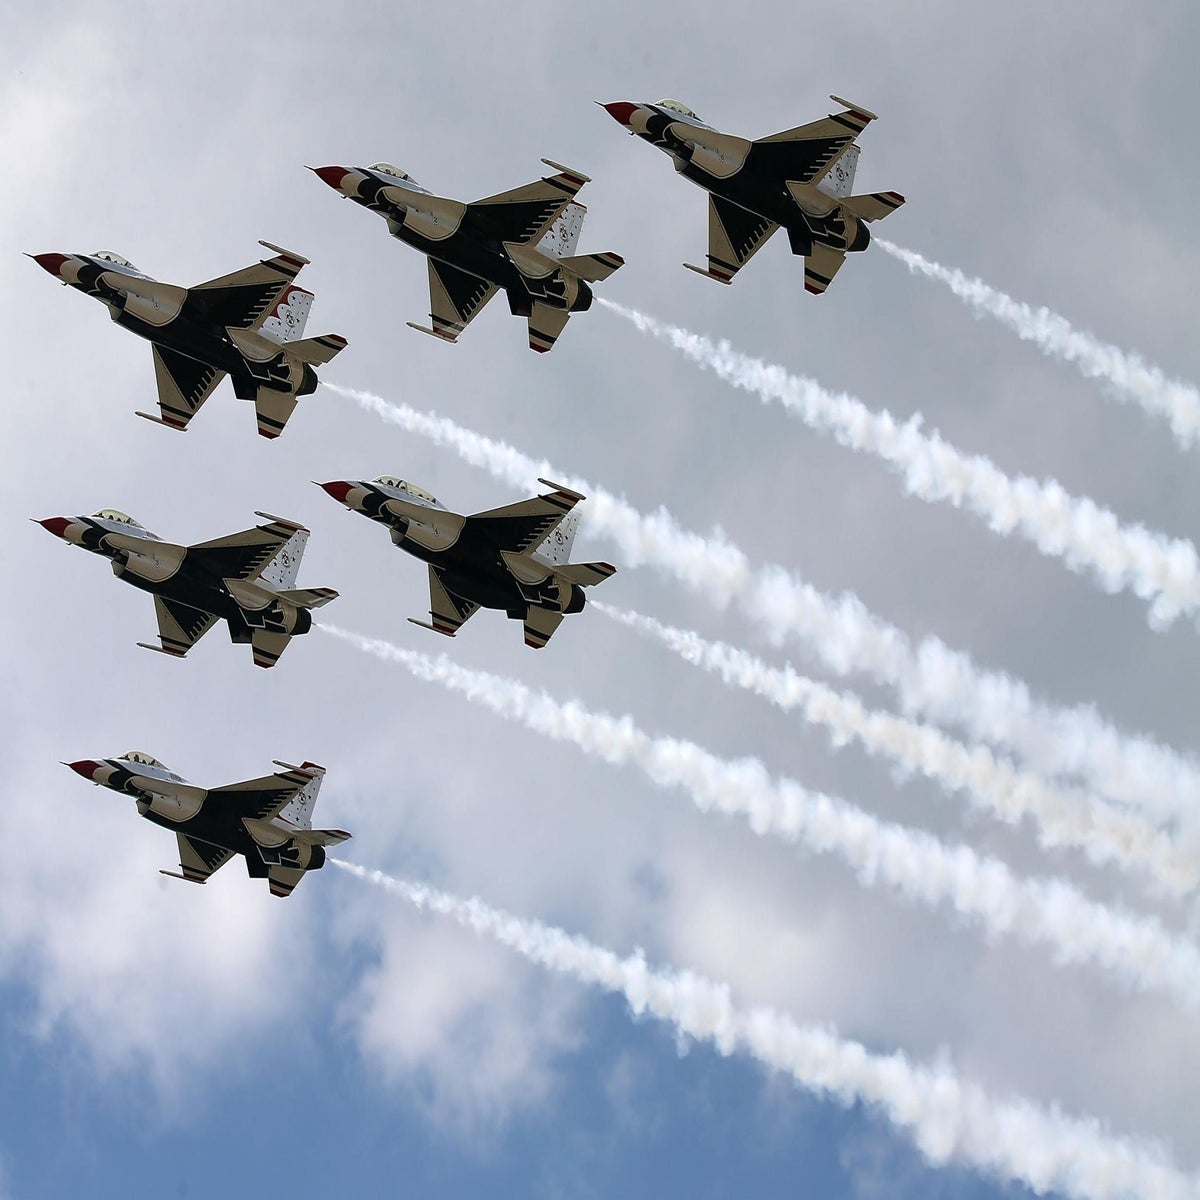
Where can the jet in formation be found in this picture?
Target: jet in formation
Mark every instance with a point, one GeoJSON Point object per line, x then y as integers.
{"type": "Point", "coordinates": [248, 325]}
{"type": "Point", "coordinates": [799, 180]}
{"type": "Point", "coordinates": [246, 579]}
{"type": "Point", "coordinates": [268, 820]}
{"type": "Point", "coordinates": [512, 558]}
{"type": "Point", "coordinates": [521, 241]}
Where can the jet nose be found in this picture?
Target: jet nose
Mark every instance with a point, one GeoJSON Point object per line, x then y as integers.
{"type": "Point", "coordinates": [620, 110]}
{"type": "Point", "coordinates": [87, 767]}
{"type": "Point", "coordinates": [57, 525]}
{"type": "Point", "coordinates": [332, 175]}
{"type": "Point", "coordinates": [51, 262]}
{"type": "Point", "coordinates": [339, 489]}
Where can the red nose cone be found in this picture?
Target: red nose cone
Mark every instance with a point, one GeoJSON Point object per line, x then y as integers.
{"type": "Point", "coordinates": [85, 766]}
{"type": "Point", "coordinates": [332, 176]}
{"type": "Point", "coordinates": [56, 525]}
{"type": "Point", "coordinates": [50, 262]}
{"type": "Point", "coordinates": [620, 110]}
{"type": "Point", "coordinates": [339, 489]}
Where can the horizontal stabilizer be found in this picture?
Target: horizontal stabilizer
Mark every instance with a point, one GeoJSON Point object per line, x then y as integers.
{"type": "Point", "coordinates": [593, 267]}
{"type": "Point", "coordinates": [586, 574]}
{"type": "Point", "coordinates": [545, 325]}
{"type": "Point", "coordinates": [308, 597]}
{"type": "Point", "coordinates": [540, 624]}
{"type": "Point", "coordinates": [874, 206]}
{"type": "Point", "coordinates": [562, 487]}
{"type": "Point", "coordinates": [316, 350]}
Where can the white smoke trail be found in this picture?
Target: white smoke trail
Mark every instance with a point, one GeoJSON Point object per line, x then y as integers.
{"type": "Point", "coordinates": [1137, 950]}
{"type": "Point", "coordinates": [1066, 817]}
{"type": "Point", "coordinates": [949, 1120]}
{"type": "Point", "coordinates": [1163, 571]}
{"type": "Point", "coordinates": [931, 679]}
{"type": "Point", "coordinates": [1129, 377]}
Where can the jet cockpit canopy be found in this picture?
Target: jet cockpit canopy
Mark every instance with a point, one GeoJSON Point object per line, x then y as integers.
{"type": "Point", "coordinates": [677, 106]}
{"type": "Point", "coordinates": [112, 514]}
{"type": "Point", "coordinates": [387, 169]}
{"type": "Point", "coordinates": [109, 256]}
{"type": "Point", "coordinates": [145, 760]}
{"type": "Point", "coordinates": [402, 485]}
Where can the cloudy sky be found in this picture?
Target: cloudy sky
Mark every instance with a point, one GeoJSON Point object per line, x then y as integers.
{"type": "Point", "coordinates": [166, 1039]}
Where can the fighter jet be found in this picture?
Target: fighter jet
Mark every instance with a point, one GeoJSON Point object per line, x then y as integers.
{"type": "Point", "coordinates": [269, 820]}
{"type": "Point", "coordinates": [799, 179]}
{"type": "Point", "coordinates": [512, 558]}
{"type": "Point", "coordinates": [247, 579]}
{"type": "Point", "coordinates": [247, 325]}
{"type": "Point", "coordinates": [522, 241]}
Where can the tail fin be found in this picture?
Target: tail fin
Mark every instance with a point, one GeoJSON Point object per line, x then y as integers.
{"type": "Point", "coordinates": [557, 547]}
{"type": "Point", "coordinates": [286, 321]}
{"type": "Point", "coordinates": [298, 811]}
{"type": "Point", "coordinates": [283, 567]}
{"type": "Point", "coordinates": [563, 236]}
{"type": "Point", "coordinates": [839, 178]}
{"type": "Point", "coordinates": [593, 267]}
{"type": "Point", "coordinates": [874, 206]}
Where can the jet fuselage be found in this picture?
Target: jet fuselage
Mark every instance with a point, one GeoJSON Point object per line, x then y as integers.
{"type": "Point", "coordinates": [184, 327]}
{"type": "Point", "coordinates": [178, 578]}
{"type": "Point", "coordinates": [748, 185]}
{"type": "Point", "coordinates": [465, 240]}
{"type": "Point", "coordinates": [216, 818]}
{"type": "Point", "coordinates": [472, 565]}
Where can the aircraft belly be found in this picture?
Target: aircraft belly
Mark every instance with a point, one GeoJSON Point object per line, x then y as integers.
{"type": "Point", "coordinates": [758, 196]}
{"type": "Point", "coordinates": [189, 339]}
{"type": "Point", "coordinates": [475, 258]}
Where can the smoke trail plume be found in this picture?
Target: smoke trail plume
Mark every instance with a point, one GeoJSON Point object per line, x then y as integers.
{"type": "Point", "coordinates": [1163, 571]}
{"type": "Point", "coordinates": [1137, 950]}
{"type": "Point", "coordinates": [949, 1120]}
{"type": "Point", "coordinates": [1128, 377]}
{"type": "Point", "coordinates": [1065, 817]}
{"type": "Point", "coordinates": [931, 678]}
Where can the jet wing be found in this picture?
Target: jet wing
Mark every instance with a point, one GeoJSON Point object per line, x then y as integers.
{"type": "Point", "coordinates": [455, 299]}
{"type": "Point", "coordinates": [198, 860]}
{"type": "Point", "coordinates": [807, 152]}
{"type": "Point", "coordinates": [448, 612]}
{"type": "Point", "coordinates": [540, 624]}
{"type": "Point", "coordinates": [179, 627]}
{"type": "Point", "coordinates": [522, 526]}
{"type": "Point", "coordinates": [183, 386]}
{"type": "Point", "coordinates": [243, 555]}
{"type": "Point", "coordinates": [821, 266]}
{"type": "Point", "coordinates": [258, 799]}
{"type": "Point", "coordinates": [526, 213]}
{"type": "Point", "coordinates": [245, 298]}
{"type": "Point", "coordinates": [735, 235]}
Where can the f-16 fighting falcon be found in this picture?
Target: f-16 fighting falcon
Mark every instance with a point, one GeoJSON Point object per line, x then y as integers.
{"type": "Point", "coordinates": [247, 579]}
{"type": "Point", "coordinates": [247, 325]}
{"type": "Point", "coordinates": [513, 558]}
{"type": "Point", "coordinates": [269, 820]}
{"type": "Point", "coordinates": [799, 179]}
{"type": "Point", "coordinates": [522, 241]}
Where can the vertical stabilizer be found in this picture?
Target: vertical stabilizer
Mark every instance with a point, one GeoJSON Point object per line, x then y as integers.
{"type": "Point", "coordinates": [839, 179]}
{"type": "Point", "coordinates": [298, 811]}
{"type": "Point", "coordinates": [286, 321]}
{"type": "Point", "coordinates": [557, 547]}
{"type": "Point", "coordinates": [283, 567]}
{"type": "Point", "coordinates": [562, 237]}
